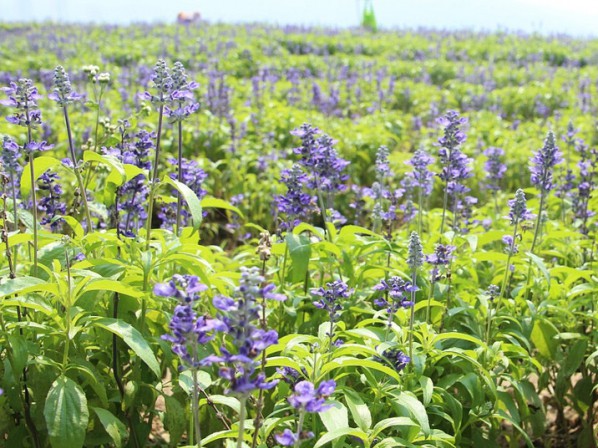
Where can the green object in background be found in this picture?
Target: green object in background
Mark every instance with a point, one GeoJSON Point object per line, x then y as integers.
{"type": "Point", "coordinates": [369, 18]}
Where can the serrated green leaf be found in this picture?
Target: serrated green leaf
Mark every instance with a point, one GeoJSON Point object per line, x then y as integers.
{"type": "Point", "coordinates": [66, 414]}
{"type": "Point", "coordinates": [113, 426]}
{"type": "Point", "coordinates": [132, 338]}
{"type": "Point", "coordinates": [359, 410]}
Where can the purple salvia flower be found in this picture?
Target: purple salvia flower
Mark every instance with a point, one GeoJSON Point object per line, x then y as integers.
{"type": "Point", "coordinates": [309, 399]}
{"type": "Point", "coordinates": [442, 256]}
{"type": "Point", "coordinates": [63, 92]}
{"type": "Point", "coordinates": [495, 168]}
{"type": "Point", "coordinates": [246, 340]}
{"type": "Point", "coordinates": [511, 245]}
{"type": "Point", "coordinates": [415, 254]}
{"type": "Point", "coordinates": [518, 208]}
{"type": "Point", "coordinates": [397, 295]}
{"type": "Point", "coordinates": [11, 154]}
{"type": "Point", "coordinates": [585, 185]}
{"type": "Point", "coordinates": [321, 160]}
{"type": "Point", "coordinates": [492, 292]}
{"type": "Point", "coordinates": [383, 171]}
{"type": "Point", "coordinates": [181, 95]}
{"type": "Point", "coordinates": [397, 359]}
{"type": "Point", "coordinates": [331, 298]}
{"type": "Point", "coordinates": [286, 438]}
{"type": "Point", "coordinates": [50, 204]}
{"type": "Point", "coordinates": [188, 330]}
{"type": "Point", "coordinates": [163, 84]}
{"type": "Point", "coordinates": [543, 163]}
{"type": "Point", "coordinates": [296, 204]}
{"type": "Point", "coordinates": [23, 96]}
{"type": "Point", "coordinates": [421, 177]}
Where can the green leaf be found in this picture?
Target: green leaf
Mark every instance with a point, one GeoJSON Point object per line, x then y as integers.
{"type": "Point", "coordinates": [391, 423]}
{"type": "Point", "coordinates": [344, 432]}
{"type": "Point", "coordinates": [359, 410]}
{"type": "Point", "coordinates": [574, 358]}
{"type": "Point", "coordinates": [300, 253]}
{"type": "Point", "coordinates": [344, 362]}
{"type": "Point", "coordinates": [220, 203]}
{"type": "Point", "coordinates": [174, 419]}
{"type": "Point", "coordinates": [336, 417]}
{"type": "Point", "coordinates": [427, 389]}
{"type": "Point", "coordinates": [540, 263]}
{"type": "Point", "coordinates": [113, 286]}
{"type": "Point", "coordinates": [113, 426]}
{"type": "Point", "coordinates": [461, 336]}
{"type": "Point", "coordinates": [66, 414]}
{"type": "Point", "coordinates": [230, 402]}
{"type": "Point", "coordinates": [542, 336]}
{"type": "Point", "coordinates": [415, 408]}
{"type": "Point", "coordinates": [132, 338]}
{"type": "Point", "coordinates": [40, 166]}
{"type": "Point", "coordinates": [190, 198]}
{"type": "Point", "coordinates": [186, 380]}
{"type": "Point", "coordinates": [20, 285]}
{"type": "Point", "coordinates": [117, 175]}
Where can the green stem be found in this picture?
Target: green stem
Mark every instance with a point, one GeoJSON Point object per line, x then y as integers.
{"type": "Point", "coordinates": [67, 306]}
{"type": "Point", "coordinates": [444, 205]}
{"type": "Point", "coordinates": [242, 416]}
{"type": "Point", "coordinates": [299, 429]}
{"type": "Point", "coordinates": [179, 202]}
{"type": "Point", "coordinates": [33, 213]}
{"type": "Point", "coordinates": [536, 233]}
{"type": "Point", "coordinates": [430, 301]}
{"type": "Point", "coordinates": [412, 317]}
{"type": "Point", "coordinates": [538, 222]}
{"type": "Point", "coordinates": [99, 101]}
{"type": "Point", "coordinates": [82, 189]}
{"type": "Point", "coordinates": [195, 406]}
{"type": "Point", "coordinates": [153, 182]}
{"type": "Point", "coordinates": [420, 213]}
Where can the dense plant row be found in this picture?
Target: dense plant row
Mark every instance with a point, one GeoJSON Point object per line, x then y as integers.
{"type": "Point", "coordinates": [257, 236]}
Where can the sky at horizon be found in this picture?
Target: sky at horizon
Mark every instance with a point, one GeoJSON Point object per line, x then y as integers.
{"type": "Point", "coordinates": [576, 17]}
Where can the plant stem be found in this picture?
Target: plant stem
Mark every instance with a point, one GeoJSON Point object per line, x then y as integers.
{"type": "Point", "coordinates": [82, 189]}
{"type": "Point", "coordinates": [432, 285]}
{"type": "Point", "coordinates": [420, 212]}
{"type": "Point", "coordinates": [536, 233]}
{"type": "Point", "coordinates": [242, 416]}
{"type": "Point", "coordinates": [538, 222]}
{"type": "Point", "coordinates": [99, 101]}
{"type": "Point", "coordinates": [299, 429]}
{"type": "Point", "coordinates": [34, 213]}
{"type": "Point", "coordinates": [444, 205]}
{"type": "Point", "coordinates": [195, 406]}
{"type": "Point", "coordinates": [260, 400]}
{"type": "Point", "coordinates": [179, 202]}
{"type": "Point", "coordinates": [412, 318]}
{"type": "Point", "coordinates": [153, 181]}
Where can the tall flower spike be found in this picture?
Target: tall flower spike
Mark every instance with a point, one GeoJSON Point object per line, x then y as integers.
{"type": "Point", "coordinates": [23, 96]}
{"type": "Point", "coordinates": [163, 84]}
{"type": "Point", "coordinates": [518, 211]}
{"type": "Point", "coordinates": [63, 92]}
{"type": "Point", "coordinates": [246, 341]}
{"type": "Point", "coordinates": [415, 257]}
{"type": "Point", "coordinates": [421, 176]}
{"type": "Point", "coordinates": [494, 167]}
{"type": "Point", "coordinates": [543, 162]}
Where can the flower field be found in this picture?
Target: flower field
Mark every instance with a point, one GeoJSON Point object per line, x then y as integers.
{"type": "Point", "coordinates": [255, 236]}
